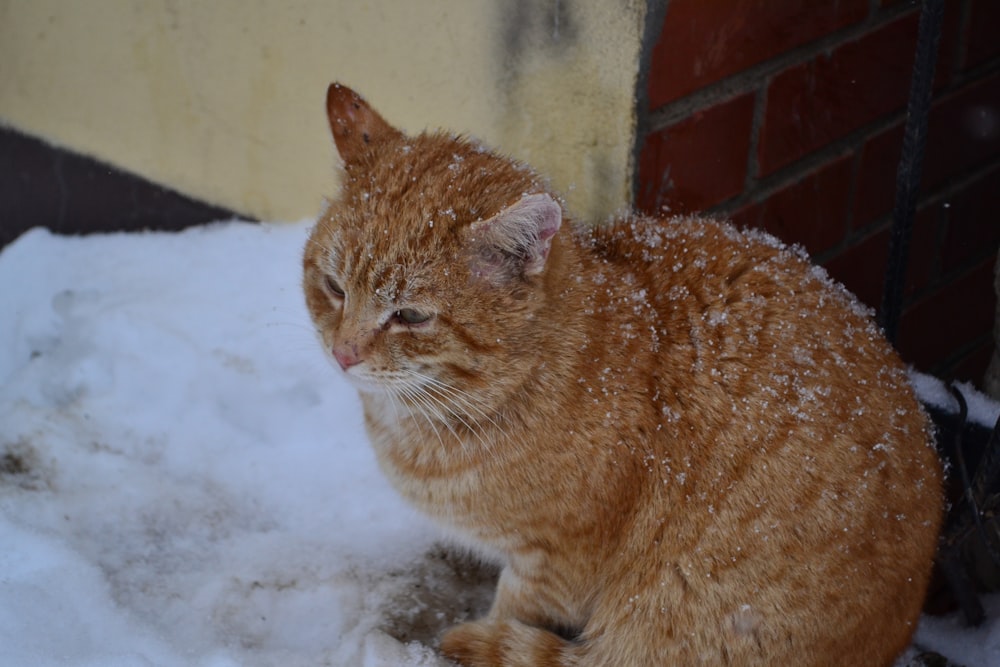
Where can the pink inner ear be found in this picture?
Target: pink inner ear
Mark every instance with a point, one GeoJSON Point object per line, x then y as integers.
{"type": "Point", "coordinates": [523, 230]}
{"type": "Point", "coordinates": [549, 218]}
{"type": "Point", "coordinates": [549, 214]}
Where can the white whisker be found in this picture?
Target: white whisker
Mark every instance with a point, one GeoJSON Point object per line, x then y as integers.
{"type": "Point", "coordinates": [463, 398]}
{"type": "Point", "coordinates": [430, 407]}
{"type": "Point", "coordinates": [449, 399]}
{"type": "Point", "coordinates": [430, 422]}
{"type": "Point", "coordinates": [393, 401]}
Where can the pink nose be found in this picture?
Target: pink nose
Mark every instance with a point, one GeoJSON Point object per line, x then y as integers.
{"type": "Point", "coordinates": [347, 356]}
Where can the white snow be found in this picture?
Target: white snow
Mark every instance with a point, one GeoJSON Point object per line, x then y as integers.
{"type": "Point", "coordinates": [932, 391]}
{"type": "Point", "coordinates": [184, 480]}
{"type": "Point", "coordinates": [198, 489]}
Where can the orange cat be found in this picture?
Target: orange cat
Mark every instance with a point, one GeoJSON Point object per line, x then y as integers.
{"type": "Point", "coordinates": [685, 443]}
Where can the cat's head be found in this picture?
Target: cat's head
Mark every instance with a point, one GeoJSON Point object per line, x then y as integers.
{"type": "Point", "coordinates": [425, 276]}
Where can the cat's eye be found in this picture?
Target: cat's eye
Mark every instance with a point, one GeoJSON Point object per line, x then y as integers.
{"type": "Point", "coordinates": [411, 316]}
{"type": "Point", "coordinates": [334, 287]}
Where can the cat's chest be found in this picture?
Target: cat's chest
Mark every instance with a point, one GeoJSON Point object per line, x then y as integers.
{"type": "Point", "coordinates": [430, 464]}
{"type": "Point", "coordinates": [487, 486]}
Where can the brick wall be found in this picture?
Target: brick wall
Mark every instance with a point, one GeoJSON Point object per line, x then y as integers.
{"type": "Point", "coordinates": [788, 115]}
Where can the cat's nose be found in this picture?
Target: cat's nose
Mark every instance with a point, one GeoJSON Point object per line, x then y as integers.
{"type": "Point", "coordinates": [347, 356]}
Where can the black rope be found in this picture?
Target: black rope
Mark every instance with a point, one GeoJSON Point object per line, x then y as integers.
{"type": "Point", "coordinates": [988, 471]}
{"type": "Point", "coordinates": [965, 531]}
{"type": "Point", "coordinates": [974, 491]}
{"type": "Point", "coordinates": [910, 164]}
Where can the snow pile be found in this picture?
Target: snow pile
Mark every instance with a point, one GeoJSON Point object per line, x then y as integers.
{"type": "Point", "coordinates": [185, 481]}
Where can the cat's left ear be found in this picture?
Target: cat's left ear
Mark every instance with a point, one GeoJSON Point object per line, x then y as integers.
{"type": "Point", "coordinates": [517, 240]}
{"type": "Point", "coordinates": [354, 124]}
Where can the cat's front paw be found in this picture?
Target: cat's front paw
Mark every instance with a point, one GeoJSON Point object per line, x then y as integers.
{"type": "Point", "coordinates": [502, 644]}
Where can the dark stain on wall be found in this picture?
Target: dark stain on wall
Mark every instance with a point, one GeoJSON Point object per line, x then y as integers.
{"type": "Point", "coordinates": [529, 25]}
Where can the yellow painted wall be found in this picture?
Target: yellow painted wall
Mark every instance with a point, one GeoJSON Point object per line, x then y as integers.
{"type": "Point", "coordinates": [223, 99]}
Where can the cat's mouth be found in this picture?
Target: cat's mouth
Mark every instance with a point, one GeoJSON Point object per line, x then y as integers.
{"type": "Point", "coordinates": [369, 380]}
{"type": "Point", "coordinates": [363, 380]}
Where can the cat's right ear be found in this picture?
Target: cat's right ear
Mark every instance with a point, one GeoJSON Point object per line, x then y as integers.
{"type": "Point", "coordinates": [354, 124]}
{"type": "Point", "coordinates": [517, 240]}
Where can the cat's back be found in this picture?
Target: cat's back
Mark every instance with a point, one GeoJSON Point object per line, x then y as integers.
{"type": "Point", "coordinates": [728, 301]}
{"type": "Point", "coordinates": [755, 360]}
{"type": "Point", "coordinates": [743, 327]}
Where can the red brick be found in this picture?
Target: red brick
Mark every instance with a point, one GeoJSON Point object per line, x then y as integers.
{"type": "Point", "coordinates": [824, 99]}
{"type": "Point", "coordinates": [924, 259]}
{"type": "Point", "coordinates": [702, 42]}
{"type": "Point", "coordinates": [811, 212]}
{"type": "Point", "coordinates": [876, 189]}
{"type": "Point", "coordinates": [699, 161]}
{"type": "Point", "coordinates": [973, 223]}
{"type": "Point", "coordinates": [982, 43]}
{"type": "Point", "coordinates": [951, 28]}
{"type": "Point", "coordinates": [861, 267]}
{"type": "Point", "coordinates": [963, 132]}
{"type": "Point", "coordinates": [951, 319]}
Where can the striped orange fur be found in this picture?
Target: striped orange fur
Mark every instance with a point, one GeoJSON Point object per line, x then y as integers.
{"type": "Point", "coordinates": [686, 444]}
